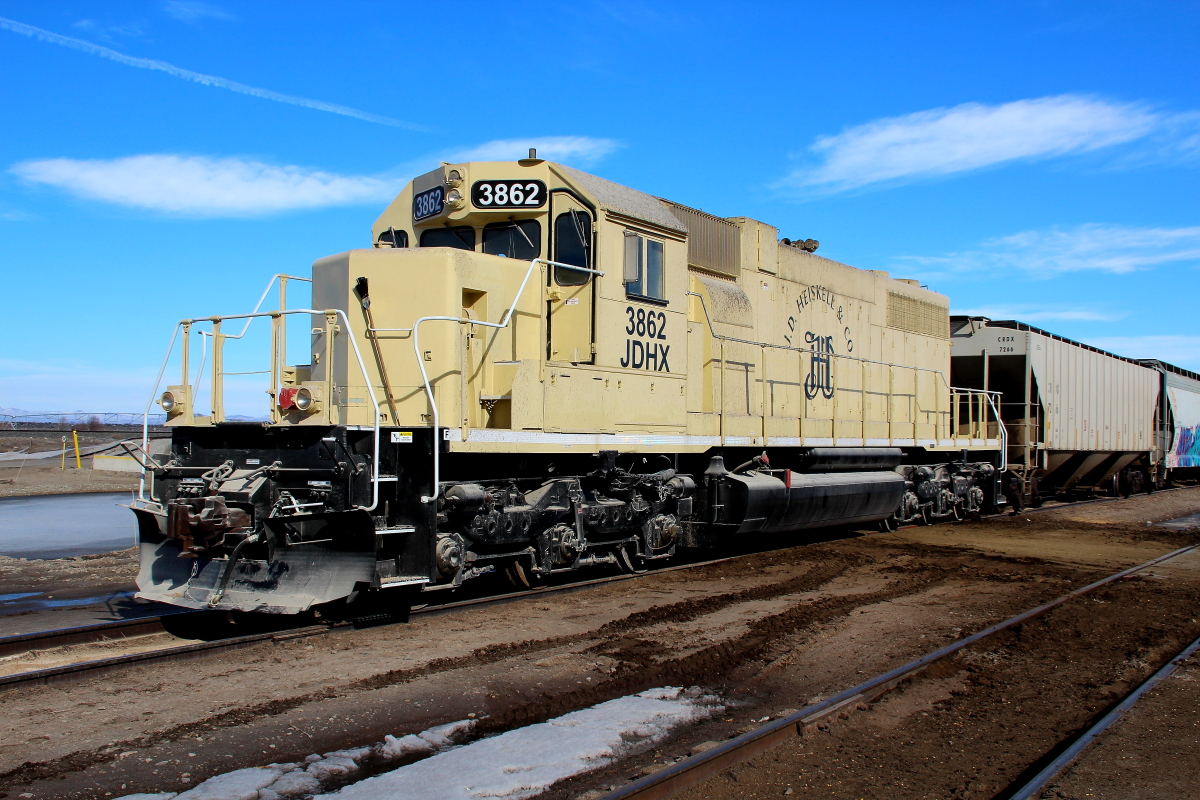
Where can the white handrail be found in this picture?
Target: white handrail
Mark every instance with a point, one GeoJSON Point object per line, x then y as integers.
{"type": "Point", "coordinates": [146, 413]}
{"type": "Point", "coordinates": [258, 305]}
{"type": "Point", "coordinates": [503, 323]}
{"type": "Point", "coordinates": [357, 354]}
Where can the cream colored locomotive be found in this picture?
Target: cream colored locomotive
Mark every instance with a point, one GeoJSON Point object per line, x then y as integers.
{"type": "Point", "coordinates": [535, 370]}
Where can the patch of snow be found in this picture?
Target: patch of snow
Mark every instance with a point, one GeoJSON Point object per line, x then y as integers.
{"type": "Point", "coordinates": [356, 753]}
{"type": "Point", "coordinates": [446, 735]}
{"type": "Point", "coordinates": [317, 772]}
{"type": "Point", "coordinates": [241, 784]}
{"type": "Point", "coordinates": [524, 762]}
{"type": "Point", "coordinates": [404, 746]}
{"type": "Point", "coordinates": [332, 767]}
{"type": "Point", "coordinates": [292, 785]}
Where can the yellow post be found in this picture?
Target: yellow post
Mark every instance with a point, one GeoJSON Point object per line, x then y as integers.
{"type": "Point", "coordinates": [63, 466]}
{"type": "Point", "coordinates": [75, 436]}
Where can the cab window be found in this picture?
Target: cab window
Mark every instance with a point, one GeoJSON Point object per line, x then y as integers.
{"type": "Point", "coordinates": [572, 240]}
{"type": "Point", "coordinates": [643, 266]}
{"type": "Point", "coordinates": [518, 238]}
{"type": "Point", "coordinates": [461, 237]}
{"type": "Point", "coordinates": [392, 238]}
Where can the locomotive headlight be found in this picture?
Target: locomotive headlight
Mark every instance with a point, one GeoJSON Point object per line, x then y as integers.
{"type": "Point", "coordinates": [304, 399]}
{"type": "Point", "coordinates": [454, 197]}
{"type": "Point", "coordinates": [453, 178]}
{"type": "Point", "coordinates": [174, 400]}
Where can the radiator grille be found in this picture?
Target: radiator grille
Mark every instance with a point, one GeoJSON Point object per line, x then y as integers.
{"type": "Point", "coordinates": [917, 316]}
{"type": "Point", "coordinates": [713, 243]}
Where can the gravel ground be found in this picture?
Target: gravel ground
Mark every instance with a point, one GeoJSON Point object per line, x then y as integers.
{"type": "Point", "coordinates": [768, 631]}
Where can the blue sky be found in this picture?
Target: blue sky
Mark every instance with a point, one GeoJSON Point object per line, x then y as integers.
{"type": "Point", "coordinates": [162, 159]}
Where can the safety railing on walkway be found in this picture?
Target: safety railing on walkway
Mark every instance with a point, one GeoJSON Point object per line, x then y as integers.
{"type": "Point", "coordinates": [278, 361]}
{"type": "Point", "coordinates": [960, 414]}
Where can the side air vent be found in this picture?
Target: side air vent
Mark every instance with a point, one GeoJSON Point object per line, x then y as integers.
{"type": "Point", "coordinates": [713, 243]}
{"type": "Point", "coordinates": [917, 316]}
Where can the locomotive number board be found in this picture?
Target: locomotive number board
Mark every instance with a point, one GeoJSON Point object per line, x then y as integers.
{"type": "Point", "coordinates": [428, 203]}
{"type": "Point", "coordinates": [508, 194]}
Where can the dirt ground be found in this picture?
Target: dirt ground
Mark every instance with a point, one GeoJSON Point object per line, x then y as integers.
{"type": "Point", "coordinates": [1150, 754]}
{"type": "Point", "coordinates": [770, 631]}
{"type": "Point", "coordinates": [971, 726]}
{"type": "Point", "coordinates": [21, 477]}
{"type": "Point", "coordinates": [44, 476]}
{"type": "Point", "coordinates": [80, 575]}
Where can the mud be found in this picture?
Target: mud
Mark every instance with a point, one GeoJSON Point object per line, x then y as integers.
{"type": "Point", "coordinates": [768, 630]}
{"type": "Point", "coordinates": [971, 726]}
{"type": "Point", "coordinates": [78, 575]}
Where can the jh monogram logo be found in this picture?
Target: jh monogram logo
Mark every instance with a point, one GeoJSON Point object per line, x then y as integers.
{"type": "Point", "coordinates": [820, 373]}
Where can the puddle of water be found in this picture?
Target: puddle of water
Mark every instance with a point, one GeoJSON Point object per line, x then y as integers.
{"type": "Point", "coordinates": [8, 598]}
{"type": "Point", "coordinates": [1181, 523]}
{"type": "Point", "coordinates": [119, 603]}
{"type": "Point", "coordinates": [60, 526]}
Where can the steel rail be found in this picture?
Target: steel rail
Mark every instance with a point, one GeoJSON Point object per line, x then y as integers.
{"type": "Point", "coordinates": [698, 768]}
{"type": "Point", "coordinates": [1035, 786]}
{"type": "Point", "coordinates": [21, 643]}
{"type": "Point", "coordinates": [122, 629]}
{"type": "Point", "coordinates": [85, 669]}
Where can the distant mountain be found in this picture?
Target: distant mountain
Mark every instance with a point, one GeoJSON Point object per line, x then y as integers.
{"type": "Point", "coordinates": [15, 412]}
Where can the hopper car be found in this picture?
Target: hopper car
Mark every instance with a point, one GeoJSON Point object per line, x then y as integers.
{"type": "Point", "coordinates": [1080, 419]}
{"type": "Point", "coordinates": [531, 370]}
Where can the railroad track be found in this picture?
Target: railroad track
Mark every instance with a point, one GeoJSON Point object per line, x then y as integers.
{"type": "Point", "coordinates": [116, 631]}
{"type": "Point", "coordinates": [147, 626]}
{"type": "Point", "coordinates": [696, 769]}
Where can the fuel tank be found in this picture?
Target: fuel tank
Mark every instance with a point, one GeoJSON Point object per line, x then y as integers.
{"type": "Point", "coordinates": [782, 500]}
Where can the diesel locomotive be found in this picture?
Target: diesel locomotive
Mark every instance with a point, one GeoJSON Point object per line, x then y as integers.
{"type": "Point", "coordinates": [533, 370]}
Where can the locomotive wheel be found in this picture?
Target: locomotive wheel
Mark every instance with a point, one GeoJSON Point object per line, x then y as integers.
{"type": "Point", "coordinates": [628, 562]}
{"type": "Point", "coordinates": [519, 576]}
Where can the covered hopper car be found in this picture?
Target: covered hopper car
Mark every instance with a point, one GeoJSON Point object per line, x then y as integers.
{"type": "Point", "coordinates": [533, 370]}
{"type": "Point", "coordinates": [1080, 419]}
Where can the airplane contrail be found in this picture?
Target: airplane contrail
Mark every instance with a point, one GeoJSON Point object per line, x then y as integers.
{"type": "Point", "coordinates": [196, 77]}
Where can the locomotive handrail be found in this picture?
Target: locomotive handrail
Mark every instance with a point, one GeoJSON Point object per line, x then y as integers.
{"type": "Point", "coordinates": [712, 331]}
{"type": "Point", "coordinates": [991, 396]}
{"type": "Point", "coordinates": [283, 278]}
{"type": "Point", "coordinates": [249, 317]}
{"type": "Point", "coordinates": [503, 323]}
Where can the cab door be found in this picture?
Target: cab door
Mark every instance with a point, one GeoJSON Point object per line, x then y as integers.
{"type": "Point", "coordinates": [570, 295]}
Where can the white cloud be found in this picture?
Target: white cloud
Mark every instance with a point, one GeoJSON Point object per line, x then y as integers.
{"type": "Point", "coordinates": [196, 77]}
{"type": "Point", "coordinates": [1034, 313]}
{"type": "Point", "coordinates": [204, 186]}
{"type": "Point", "coordinates": [943, 141]}
{"type": "Point", "coordinates": [1049, 252]}
{"type": "Point", "coordinates": [1182, 351]}
{"type": "Point", "coordinates": [108, 32]}
{"type": "Point", "coordinates": [192, 12]}
{"type": "Point", "coordinates": [573, 149]}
